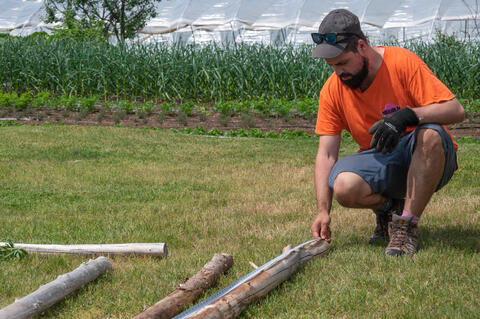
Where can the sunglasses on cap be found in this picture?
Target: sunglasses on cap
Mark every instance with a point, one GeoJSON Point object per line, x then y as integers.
{"type": "Point", "coordinates": [330, 38]}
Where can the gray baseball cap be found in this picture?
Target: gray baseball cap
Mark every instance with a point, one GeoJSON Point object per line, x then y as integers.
{"type": "Point", "coordinates": [338, 21]}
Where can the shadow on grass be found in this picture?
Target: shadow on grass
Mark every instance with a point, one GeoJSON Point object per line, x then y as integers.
{"type": "Point", "coordinates": [465, 238]}
{"type": "Point", "coordinates": [462, 238]}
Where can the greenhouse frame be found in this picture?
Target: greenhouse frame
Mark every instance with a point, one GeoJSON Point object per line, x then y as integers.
{"type": "Point", "coordinates": [275, 21]}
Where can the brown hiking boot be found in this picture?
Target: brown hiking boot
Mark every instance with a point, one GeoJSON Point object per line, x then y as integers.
{"type": "Point", "coordinates": [380, 233]}
{"type": "Point", "coordinates": [403, 236]}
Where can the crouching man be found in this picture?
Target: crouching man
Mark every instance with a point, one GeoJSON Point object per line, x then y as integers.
{"type": "Point", "coordinates": [394, 107]}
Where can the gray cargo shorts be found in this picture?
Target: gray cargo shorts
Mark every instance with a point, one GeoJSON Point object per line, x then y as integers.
{"type": "Point", "coordinates": [387, 173]}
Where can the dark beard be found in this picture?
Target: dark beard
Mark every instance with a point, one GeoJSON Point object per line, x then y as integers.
{"type": "Point", "coordinates": [357, 78]}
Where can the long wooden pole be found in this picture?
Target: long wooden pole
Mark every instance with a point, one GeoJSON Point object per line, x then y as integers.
{"type": "Point", "coordinates": [232, 303]}
{"type": "Point", "coordinates": [187, 292]}
{"type": "Point", "coordinates": [54, 291]}
{"type": "Point", "coordinates": [148, 249]}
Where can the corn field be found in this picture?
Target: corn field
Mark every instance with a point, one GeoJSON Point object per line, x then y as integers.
{"type": "Point", "coordinates": [207, 73]}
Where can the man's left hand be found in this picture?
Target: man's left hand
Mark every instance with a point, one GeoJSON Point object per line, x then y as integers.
{"type": "Point", "coordinates": [389, 130]}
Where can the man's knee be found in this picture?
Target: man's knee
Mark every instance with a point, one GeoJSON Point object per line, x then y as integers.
{"type": "Point", "coordinates": [347, 189]}
{"type": "Point", "coordinates": [429, 143]}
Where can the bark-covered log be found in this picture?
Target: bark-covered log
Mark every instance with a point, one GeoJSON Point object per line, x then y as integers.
{"type": "Point", "coordinates": [187, 292]}
{"type": "Point", "coordinates": [150, 249]}
{"type": "Point", "coordinates": [51, 293]}
{"type": "Point", "coordinates": [232, 304]}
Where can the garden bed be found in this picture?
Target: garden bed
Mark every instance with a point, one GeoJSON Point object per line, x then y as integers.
{"type": "Point", "coordinates": [468, 128]}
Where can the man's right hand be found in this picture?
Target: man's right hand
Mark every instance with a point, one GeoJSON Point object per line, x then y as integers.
{"type": "Point", "coordinates": [320, 227]}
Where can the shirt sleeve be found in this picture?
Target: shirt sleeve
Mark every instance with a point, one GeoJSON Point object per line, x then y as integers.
{"type": "Point", "coordinates": [425, 87]}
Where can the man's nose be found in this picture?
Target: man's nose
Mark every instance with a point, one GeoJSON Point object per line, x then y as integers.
{"type": "Point", "coordinates": [338, 70]}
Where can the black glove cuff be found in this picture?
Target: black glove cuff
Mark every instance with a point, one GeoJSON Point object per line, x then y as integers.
{"type": "Point", "coordinates": [406, 116]}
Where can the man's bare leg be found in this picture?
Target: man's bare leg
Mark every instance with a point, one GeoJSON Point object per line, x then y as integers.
{"type": "Point", "coordinates": [425, 171]}
{"type": "Point", "coordinates": [351, 190]}
{"type": "Point", "coordinates": [424, 174]}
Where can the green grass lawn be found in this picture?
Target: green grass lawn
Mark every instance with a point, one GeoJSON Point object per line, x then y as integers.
{"type": "Point", "coordinates": [200, 195]}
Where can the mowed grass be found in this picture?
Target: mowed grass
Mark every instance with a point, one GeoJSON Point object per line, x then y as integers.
{"type": "Point", "coordinates": [201, 196]}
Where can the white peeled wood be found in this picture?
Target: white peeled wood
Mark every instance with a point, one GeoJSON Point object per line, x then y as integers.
{"type": "Point", "coordinates": [149, 249]}
{"type": "Point", "coordinates": [54, 291]}
{"type": "Point", "coordinates": [232, 303]}
{"type": "Point", "coordinates": [286, 248]}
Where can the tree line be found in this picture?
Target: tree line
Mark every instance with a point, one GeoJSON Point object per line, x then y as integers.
{"type": "Point", "coordinates": [99, 19]}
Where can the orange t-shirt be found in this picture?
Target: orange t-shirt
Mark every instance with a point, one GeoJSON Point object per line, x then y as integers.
{"type": "Point", "coordinates": [402, 80]}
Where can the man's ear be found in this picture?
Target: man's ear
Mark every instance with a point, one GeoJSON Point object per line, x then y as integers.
{"type": "Point", "coordinates": [361, 45]}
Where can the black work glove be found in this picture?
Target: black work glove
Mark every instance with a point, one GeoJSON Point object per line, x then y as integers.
{"type": "Point", "coordinates": [389, 130]}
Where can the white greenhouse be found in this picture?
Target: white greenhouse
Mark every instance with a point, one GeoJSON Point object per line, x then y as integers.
{"type": "Point", "coordinates": [276, 21]}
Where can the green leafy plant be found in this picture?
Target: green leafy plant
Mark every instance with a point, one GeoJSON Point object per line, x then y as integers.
{"type": "Point", "coordinates": [187, 108]}
{"type": "Point", "coordinates": [284, 110]}
{"type": "Point", "coordinates": [7, 99]}
{"type": "Point", "coordinates": [225, 108]}
{"type": "Point", "coordinates": [185, 130]}
{"type": "Point", "coordinates": [199, 130]}
{"type": "Point", "coordinates": [148, 107]}
{"type": "Point", "coordinates": [264, 108]}
{"type": "Point", "coordinates": [126, 106]}
{"type": "Point", "coordinates": [242, 106]}
{"type": "Point", "coordinates": [306, 108]}
{"type": "Point", "coordinates": [472, 107]}
{"type": "Point", "coordinates": [9, 252]}
{"type": "Point", "coordinates": [88, 103]}
{"type": "Point", "coordinates": [70, 102]}
{"type": "Point", "coordinates": [255, 132]}
{"type": "Point", "coordinates": [215, 132]}
{"type": "Point", "coordinates": [272, 134]}
{"type": "Point", "coordinates": [9, 123]}
{"type": "Point", "coordinates": [241, 132]}
{"type": "Point", "coordinates": [42, 99]}
{"type": "Point", "coordinates": [231, 133]}
{"type": "Point", "coordinates": [168, 108]}
{"type": "Point", "coordinates": [23, 101]}
{"type": "Point", "coordinates": [109, 105]}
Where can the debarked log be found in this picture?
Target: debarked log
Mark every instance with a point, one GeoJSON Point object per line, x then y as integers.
{"type": "Point", "coordinates": [232, 304]}
{"type": "Point", "coordinates": [187, 292]}
{"type": "Point", "coordinates": [54, 291]}
{"type": "Point", "coordinates": [147, 249]}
